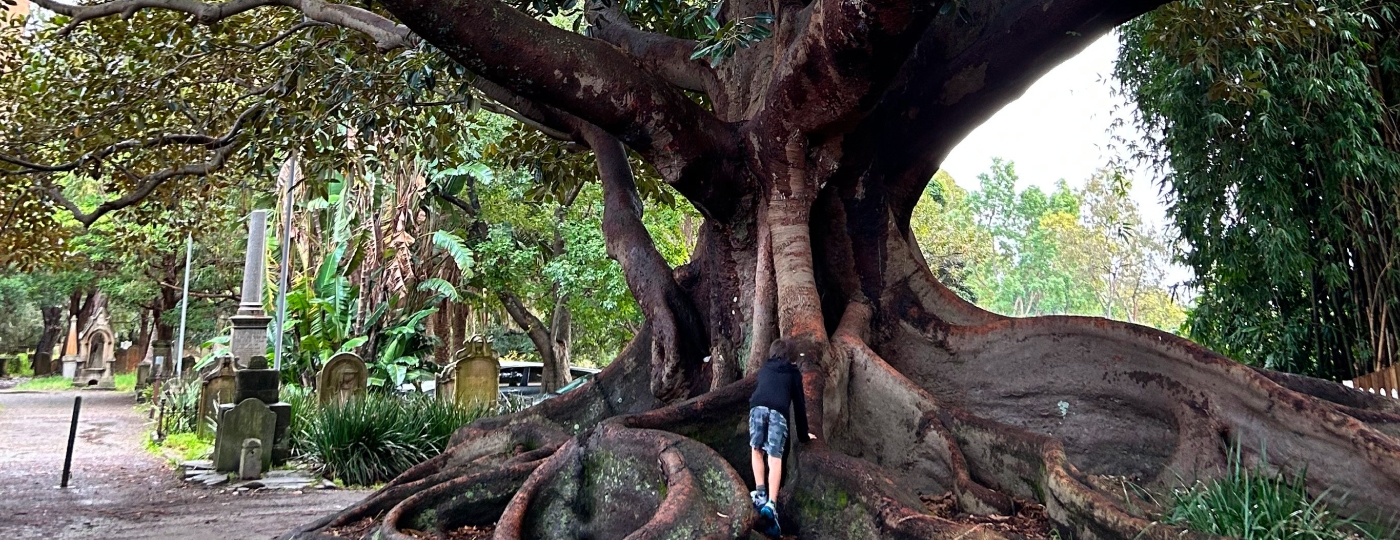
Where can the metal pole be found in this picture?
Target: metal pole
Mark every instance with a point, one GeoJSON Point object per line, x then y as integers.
{"type": "Point", "coordinates": [289, 178]}
{"type": "Point", "coordinates": [184, 305]}
{"type": "Point", "coordinates": [72, 436]}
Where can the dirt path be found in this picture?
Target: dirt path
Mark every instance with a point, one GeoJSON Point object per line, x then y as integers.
{"type": "Point", "coordinates": [118, 489]}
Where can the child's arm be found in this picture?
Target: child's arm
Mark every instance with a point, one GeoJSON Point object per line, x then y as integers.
{"type": "Point", "coordinates": [799, 406]}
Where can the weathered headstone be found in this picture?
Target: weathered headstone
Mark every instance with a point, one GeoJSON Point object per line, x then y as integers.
{"type": "Point", "coordinates": [216, 389]}
{"type": "Point", "coordinates": [249, 335]}
{"type": "Point", "coordinates": [249, 419]}
{"type": "Point", "coordinates": [187, 367]}
{"type": "Point", "coordinates": [343, 378]}
{"type": "Point", "coordinates": [250, 460]}
{"type": "Point", "coordinates": [477, 377]}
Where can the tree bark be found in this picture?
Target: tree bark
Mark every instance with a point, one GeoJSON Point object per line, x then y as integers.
{"type": "Point", "coordinates": [42, 361]}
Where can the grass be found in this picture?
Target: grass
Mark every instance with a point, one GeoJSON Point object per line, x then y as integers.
{"type": "Point", "coordinates": [181, 447]}
{"type": "Point", "coordinates": [372, 440]}
{"type": "Point", "coordinates": [46, 384]}
{"type": "Point", "coordinates": [1252, 504]}
{"type": "Point", "coordinates": [126, 382]}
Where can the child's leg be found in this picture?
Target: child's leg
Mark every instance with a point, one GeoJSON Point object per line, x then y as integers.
{"type": "Point", "coordinates": [758, 475]}
{"type": "Point", "coordinates": [758, 437]}
{"type": "Point", "coordinates": [775, 476]}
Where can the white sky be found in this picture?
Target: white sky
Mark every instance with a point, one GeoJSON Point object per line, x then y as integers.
{"type": "Point", "coordinates": [1061, 128]}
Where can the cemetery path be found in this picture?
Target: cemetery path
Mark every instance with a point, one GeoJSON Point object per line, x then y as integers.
{"type": "Point", "coordinates": [118, 489]}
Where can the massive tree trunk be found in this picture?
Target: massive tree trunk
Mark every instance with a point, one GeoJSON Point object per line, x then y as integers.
{"type": "Point", "coordinates": [819, 144]}
{"type": "Point", "coordinates": [806, 160]}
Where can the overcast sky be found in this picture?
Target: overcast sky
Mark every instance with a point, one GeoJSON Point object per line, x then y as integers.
{"type": "Point", "coordinates": [1059, 129]}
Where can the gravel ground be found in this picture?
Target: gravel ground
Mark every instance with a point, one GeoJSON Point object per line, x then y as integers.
{"type": "Point", "coordinates": [118, 489]}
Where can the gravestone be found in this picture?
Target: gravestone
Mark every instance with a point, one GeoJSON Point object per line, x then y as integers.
{"type": "Point", "coordinates": [71, 361]}
{"type": "Point", "coordinates": [250, 460]}
{"type": "Point", "coordinates": [263, 384]}
{"type": "Point", "coordinates": [187, 367]}
{"type": "Point", "coordinates": [217, 389]}
{"type": "Point", "coordinates": [477, 375]}
{"type": "Point", "coordinates": [343, 378]}
{"type": "Point", "coordinates": [249, 419]}
{"type": "Point", "coordinates": [249, 335]}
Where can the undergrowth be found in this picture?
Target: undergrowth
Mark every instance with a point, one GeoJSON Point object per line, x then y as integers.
{"type": "Point", "coordinates": [1252, 504]}
{"type": "Point", "coordinates": [374, 439]}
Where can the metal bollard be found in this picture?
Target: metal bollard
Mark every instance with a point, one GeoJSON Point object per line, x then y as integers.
{"type": "Point", "coordinates": [72, 436]}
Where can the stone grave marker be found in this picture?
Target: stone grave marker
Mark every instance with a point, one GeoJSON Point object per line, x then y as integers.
{"type": "Point", "coordinates": [250, 460]}
{"type": "Point", "coordinates": [250, 419]}
{"type": "Point", "coordinates": [263, 384]}
{"type": "Point", "coordinates": [216, 389]}
{"type": "Point", "coordinates": [70, 359]}
{"type": "Point", "coordinates": [477, 375]}
{"type": "Point", "coordinates": [249, 335]}
{"type": "Point", "coordinates": [343, 378]}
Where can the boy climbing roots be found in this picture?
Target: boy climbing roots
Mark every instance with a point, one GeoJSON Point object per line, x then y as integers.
{"type": "Point", "coordinates": [779, 385]}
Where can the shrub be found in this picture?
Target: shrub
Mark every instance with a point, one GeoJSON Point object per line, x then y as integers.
{"type": "Point", "coordinates": [374, 439]}
{"type": "Point", "coordinates": [1251, 504]}
{"type": "Point", "coordinates": [180, 406]}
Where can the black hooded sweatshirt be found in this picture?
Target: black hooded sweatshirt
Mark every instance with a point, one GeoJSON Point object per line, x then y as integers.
{"type": "Point", "coordinates": [780, 383]}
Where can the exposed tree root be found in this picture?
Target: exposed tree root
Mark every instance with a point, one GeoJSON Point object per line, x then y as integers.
{"type": "Point", "coordinates": [619, 482]}
{"type": "Point", "coordinates": [1118, 399]}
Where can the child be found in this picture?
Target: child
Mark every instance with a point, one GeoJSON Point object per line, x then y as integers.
{"type": "Point", "coordinates": [779, 384]}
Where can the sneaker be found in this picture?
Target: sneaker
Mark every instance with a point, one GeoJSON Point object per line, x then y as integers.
{"type": "Point", "coordinates": [769, 511]}
{"type": "Point", "coordinates": [760, 498]}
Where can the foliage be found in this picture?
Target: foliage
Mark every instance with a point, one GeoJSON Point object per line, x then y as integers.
{"type": "Point", "coordinates": [1251, 504]}
{"type": "Point", "coordinates": [1073, 251]}
{"type": "Point", "coordinates": [125, 382]}
{"type": "Point", "coordinates": [179, 407]}
{"type": "Point", "coordinates": [371, 440]}
{"type": "Point", "coordinates": [1275, 127]}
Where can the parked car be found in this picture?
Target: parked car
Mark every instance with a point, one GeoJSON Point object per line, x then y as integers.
{"type": "Point", "coordinates": [524, 378]}
{"type": "Point", "coordinates": [521, 379]}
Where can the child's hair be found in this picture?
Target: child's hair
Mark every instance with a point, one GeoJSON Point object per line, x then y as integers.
{"type": "Point", "coordinates": [782, 349]}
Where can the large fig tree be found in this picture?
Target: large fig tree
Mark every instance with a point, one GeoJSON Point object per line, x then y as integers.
{"type": "Point", "coordinates": [805, 132]}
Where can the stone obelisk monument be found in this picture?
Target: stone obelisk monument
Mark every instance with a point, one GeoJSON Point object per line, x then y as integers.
{"type": "Point", "coordinates": [249, 337]}
{"type": "Point", "coordinates": [70, 351]}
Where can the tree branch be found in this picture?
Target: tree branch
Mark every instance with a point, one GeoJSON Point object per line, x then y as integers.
{"type": "Point", "coordinates": [195, 294]}
{"type": "Point", "coordinates": [586, 78]}
{"type": "Point", "coordinates": [841, 62]}
{"type": "Point", "coordinates": [386, 34]}
{"type": "Point", "coordinates": [665, 56]}
{"type": "Point", "coordinates": [188, 139]}
{"type": "Point", "coordinates": [677, 333]}
{"type": "Point", "coordinates": [147, 185]}
{"type": "Point", "coordinates": [964, 69]}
